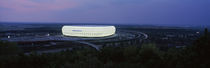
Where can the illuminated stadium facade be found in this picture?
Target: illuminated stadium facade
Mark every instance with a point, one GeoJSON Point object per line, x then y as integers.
{"type": "Point", "coordinates": [88, 31]}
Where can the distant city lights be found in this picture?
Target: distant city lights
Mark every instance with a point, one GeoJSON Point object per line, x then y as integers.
{"type": "Point", "coordinates": [8, 36]}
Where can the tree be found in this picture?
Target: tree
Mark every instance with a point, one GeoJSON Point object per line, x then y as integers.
{"type": "Point", "coordinates": [131, 54]}
{"type": "Point", "coordinates": [8, 48]}
{"type": "Point", "coordinates": [150, 55]}
{"type": "Point", "coordinates": [202, 45]}
{"type": "Point", "coordinates": [201, 48]}
{"type": "Point", "coordinates": [111, 54]}
{"type": "Point", "coordinates": [206, 32]}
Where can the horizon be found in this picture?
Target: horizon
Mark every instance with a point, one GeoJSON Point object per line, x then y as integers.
{"type": "Point", "coordinates": [87, 23]}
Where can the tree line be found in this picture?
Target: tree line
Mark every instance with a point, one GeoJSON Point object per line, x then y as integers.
{"type": "Point", "coordinates": [146, 56]}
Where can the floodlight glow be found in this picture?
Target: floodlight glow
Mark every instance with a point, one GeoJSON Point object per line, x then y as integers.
{"type": "Point", "coordinates": [88, 31]}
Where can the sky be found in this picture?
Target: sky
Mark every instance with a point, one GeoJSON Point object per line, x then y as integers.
{"type": "Point", "coordinates": [172, 12]}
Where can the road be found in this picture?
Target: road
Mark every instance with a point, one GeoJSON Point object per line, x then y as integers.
{"type": "Point", "coordinates": [90, 44]}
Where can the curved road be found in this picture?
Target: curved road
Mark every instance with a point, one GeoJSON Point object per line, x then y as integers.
{"type": "Point", "coordinates": [90, 44]}
{"type": "Point", "coordinates": [97, 47]}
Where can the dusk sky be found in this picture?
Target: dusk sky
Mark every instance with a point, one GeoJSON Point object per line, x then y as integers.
{"type": "Point", "coordinates": [172, 12]}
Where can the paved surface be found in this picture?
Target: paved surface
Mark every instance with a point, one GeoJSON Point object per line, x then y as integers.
{"type": "Point", "coordinates": [90, 44]}
{"type": "Point", "coordinates": [77, 40]}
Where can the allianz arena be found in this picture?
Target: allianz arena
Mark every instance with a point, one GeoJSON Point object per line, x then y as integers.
{"type": "Point", "coordinates": [78, 36]}
{"type": "Point", "coordinates": [88, 31]}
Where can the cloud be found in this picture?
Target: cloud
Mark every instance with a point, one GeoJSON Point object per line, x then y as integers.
{"type": "Point", "coordinates": [136, 11]}
{"type": "Point", "coordinates": [33, 6]}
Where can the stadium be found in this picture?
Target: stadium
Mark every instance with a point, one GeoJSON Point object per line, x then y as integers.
{"type": "Point", "coordinates": [88, 31]}
{"type": "Point", "coordinates": [58, 38]}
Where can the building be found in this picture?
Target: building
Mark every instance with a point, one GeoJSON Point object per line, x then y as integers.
{"type": "Point", "coordinates": [88, 31]}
